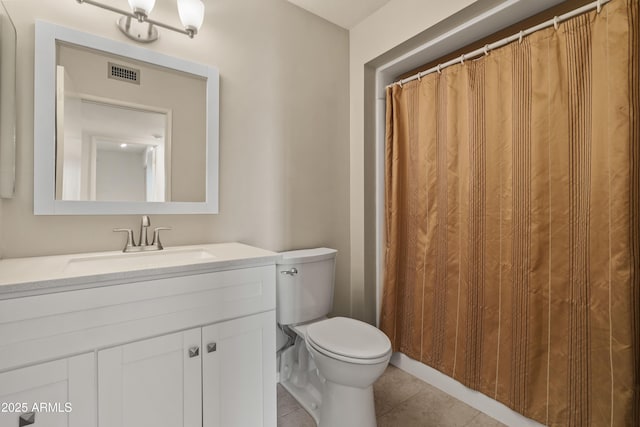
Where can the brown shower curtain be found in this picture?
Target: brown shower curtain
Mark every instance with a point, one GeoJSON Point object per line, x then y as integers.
{"type": "Point", "coordinates": [512, 228]}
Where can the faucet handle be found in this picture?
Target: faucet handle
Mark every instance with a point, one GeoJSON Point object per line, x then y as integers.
{"type": "Point", "coordinates": [156, 237]}
{"type": "Point", "coordinates": [129, 232]}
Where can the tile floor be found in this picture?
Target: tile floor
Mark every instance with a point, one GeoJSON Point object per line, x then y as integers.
{"type": "Point", "coordinates": [401, 401]}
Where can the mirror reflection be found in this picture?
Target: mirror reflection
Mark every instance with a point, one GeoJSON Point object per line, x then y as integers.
{"type": "Point", "coordinates": [127, 130]}
{"type": "Point", "coordinates": [109, 151]}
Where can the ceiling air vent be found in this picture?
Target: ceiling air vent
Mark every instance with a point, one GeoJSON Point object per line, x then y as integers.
{"type": "Point", "coordinates": [126, 74]}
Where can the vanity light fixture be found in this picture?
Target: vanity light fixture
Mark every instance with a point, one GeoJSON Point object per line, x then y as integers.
{"type": "Point", "coordinates": [137, 25]}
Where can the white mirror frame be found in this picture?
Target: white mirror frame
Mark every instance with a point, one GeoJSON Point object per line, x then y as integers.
{"type": "Point", "coordinates": [44, 151]}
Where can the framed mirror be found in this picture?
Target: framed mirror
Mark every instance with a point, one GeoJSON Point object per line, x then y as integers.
{"type": "Point", "coordinates": [121, 129]}
{"type": "Point", "coordinates": [7, 104]}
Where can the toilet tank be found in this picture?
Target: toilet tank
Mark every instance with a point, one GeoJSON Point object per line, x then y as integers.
{"type": "Point", "coordinates": [304, 286]}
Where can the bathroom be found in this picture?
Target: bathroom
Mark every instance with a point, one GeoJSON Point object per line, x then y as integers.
{"type": "Point", "coordinates": [299, 142]}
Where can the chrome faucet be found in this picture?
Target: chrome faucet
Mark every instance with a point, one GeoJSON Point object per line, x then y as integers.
{"type": "Point", "coordinates": [143, 241]}
{"type": "Point", "coordinates": [144, 224]}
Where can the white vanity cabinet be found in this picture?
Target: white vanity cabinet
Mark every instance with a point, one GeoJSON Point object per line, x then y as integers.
{"type": "Point", "coordinates": [57, 384]}
{"type": "Point", "coordinates": [177, 347]}
{"type": "Point", "coordinates": [214, 376]}
{"type": "Point", "coordinates": [237, 372]}
{"type": "Point", "coordinates": [154, 382]}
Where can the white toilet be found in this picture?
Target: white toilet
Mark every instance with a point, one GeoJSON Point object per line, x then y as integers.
{"type": "Point", "coordinates": [328, 365]}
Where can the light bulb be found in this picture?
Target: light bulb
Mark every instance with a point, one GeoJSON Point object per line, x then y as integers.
{"type": "Point", "coordinates": [191, 14]}
{"type": "Point", "coordinates": [142, 5]}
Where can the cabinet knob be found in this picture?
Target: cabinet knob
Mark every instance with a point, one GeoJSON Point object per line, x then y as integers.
{"type": "Point", "coordinates": [211, 347]}
{"type": "Point", "coordinates": [194, 352]}
{"type": "Point", "coordinates": [27, 419]}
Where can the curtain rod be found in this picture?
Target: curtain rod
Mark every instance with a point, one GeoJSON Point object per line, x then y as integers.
{"type": "Point", "coordinates": [489, 47]}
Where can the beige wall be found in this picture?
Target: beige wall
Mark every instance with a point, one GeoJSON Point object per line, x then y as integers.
{"type": "Point", "coordinates": [284, 168]}
{"type": "Point", "coordinates": [391, 26]}
{"type": "Point", "coordinates": [2, 162]}
{"type": "Point", "coordinates": [7, 102]}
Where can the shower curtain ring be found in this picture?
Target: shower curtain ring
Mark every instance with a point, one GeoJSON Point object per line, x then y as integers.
{"type": "Point", "coordinates": [486, 50]}
{"type": "Point", "coordinates": [438, 69]}
{"type": "Point", "coordinates": [462, 59]}
{"type": "Point", "coordinates": [555, 22]}
{"type": "Point", "coordinates": [419, 76]}
{"type": "Point", "coordinates": [521, 36]}
{"type": "Point", "coordinates": [599, 6]}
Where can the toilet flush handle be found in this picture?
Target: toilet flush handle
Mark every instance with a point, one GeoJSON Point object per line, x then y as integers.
{"type": "Point", "coordinates": [291, 272]}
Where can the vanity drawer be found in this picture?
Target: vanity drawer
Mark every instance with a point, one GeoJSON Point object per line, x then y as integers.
{"type": "Point", "coordinates": [46, 327]}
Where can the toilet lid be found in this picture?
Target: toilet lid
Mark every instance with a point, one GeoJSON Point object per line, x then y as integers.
{"type": "Point", "coordinates": [349, 337]}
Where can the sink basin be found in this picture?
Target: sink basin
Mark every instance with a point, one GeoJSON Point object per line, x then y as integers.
{"type": "Point", "coordinates": [109, 262]}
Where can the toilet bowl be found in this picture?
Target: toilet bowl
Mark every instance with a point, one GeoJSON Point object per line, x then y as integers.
{"type": "Point", "coordinates": [332, 363]}
{"type": "Point", "coordinates": [350, 355]}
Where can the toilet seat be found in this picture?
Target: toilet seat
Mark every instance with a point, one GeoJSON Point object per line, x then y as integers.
{"type": "Point", "coordinates": [352, 360]}
{"type": "Point", "coordinates": [349, 340]}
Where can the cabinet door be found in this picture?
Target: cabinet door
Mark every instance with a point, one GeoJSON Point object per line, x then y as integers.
{"type": "Point", "coordinates": [61, 393]}
{"type": "Point", "coordinates": [154, 382]}
{"type": "Point", "coordinates": [239, 372]}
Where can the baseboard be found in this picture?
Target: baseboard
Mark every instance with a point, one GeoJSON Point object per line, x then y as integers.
{"type": "Point", "coordinates": [473, 398]}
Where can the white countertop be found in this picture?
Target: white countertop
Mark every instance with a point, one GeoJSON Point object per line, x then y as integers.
{"type": "Point", "coordinates": [39, 275]}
